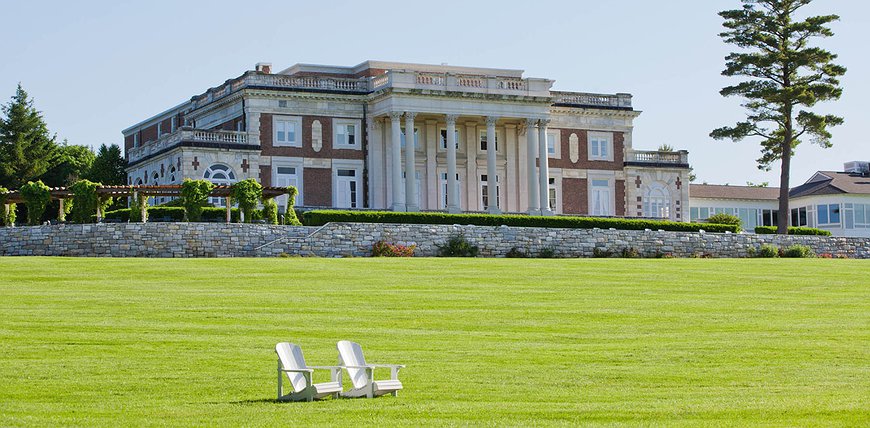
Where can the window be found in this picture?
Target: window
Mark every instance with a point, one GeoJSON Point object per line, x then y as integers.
{"type": "Point", "coordinates": [551, 145]}
{"type": "Point", "coordinates": [174, 123]}
{"type": "Point", "coordinates": [155, 179]}
{"type": "Point", "coordinates": [159, 129]}
{"type": "Point", "coordinates": [600, 147]}
{"type": "Point", "coordinates": [136, 140]}
{"type": "Point", "coordinates": [172, 176]}
{"type": "Point", "coordinates": [769, 217]}
{"type": "Point", "coordinates": [485, 193]}
{"type": "Point", "coordinates": [220, 175]}
{"type": "Point", "coordinates": [287, 131]}
{"type": "Point", "coordinates": [347, 188]}
{"type": "Point", "coordinates": [416, 138]}
{"type": "Point", "coordinates": [287, 173]}
{"type": "Point", "coordinates": [748, 218]}
{"type": "Point", "coordinates": [828, 214]}
{"type": "Point", "coordinates": [657, 202]}
{"type": "Point", "coordinates": [857, 216]}
{"type": "Point", "coordinates": [799, 216]}
{"type": "Point", "coordinates": [442, 197]}
{"type": "Point", "coordinates": [240, 126]}
{"type": "Point", "coordinates": [442, 144]}
{"type": "Point", "coordinates": [483, 141]}
{"type": "Point", "coordinates": [551, 195]}
{"type": "Point", "coordinates": [600, 199]}
{"type": "Point", "coordinates": [346, 135]}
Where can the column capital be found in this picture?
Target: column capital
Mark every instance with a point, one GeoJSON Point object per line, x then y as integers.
{"type": "Point", "coordinates": [410, 115]}
{"type": "Point", "coordinates": [544, 122]}
{"type": "Point", "coordinates": [451, 119]}
{"type": "Point", "coordinates": [491, 120]}
{"type": "Point", "coordinates": [395, 115]}
{"type": "Point", "coordinates": [531, 122]}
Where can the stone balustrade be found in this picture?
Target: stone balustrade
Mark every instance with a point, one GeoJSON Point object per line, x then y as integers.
{"type": "Point", "coordinates": [657, 158]}
{"type": "Point", "coordinates": [356, 239]}
{"type": "Point", "coordinates": [187, 134]}
{"type": "Point", "coordinates": [583, 99]}
{"type": "Point", "coordinates": [450, 82]}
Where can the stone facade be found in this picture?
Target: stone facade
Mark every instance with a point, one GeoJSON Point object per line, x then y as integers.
{"type": "Point", "coordinates": [356, 239]}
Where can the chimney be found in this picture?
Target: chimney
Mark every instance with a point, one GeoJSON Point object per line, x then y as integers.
{"type": "Point", "coordinates": [264, 67]}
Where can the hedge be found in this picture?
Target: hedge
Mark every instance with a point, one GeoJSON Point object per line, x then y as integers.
{"type": "Point", "coordinates": [769, 230]}
{"type": "Point", "coordinates": [321, 217]}
{"type": "Point", "coordinates": [209, 214]}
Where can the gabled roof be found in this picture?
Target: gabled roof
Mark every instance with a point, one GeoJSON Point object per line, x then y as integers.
{"type": "Point", "coordinates": [831, 183]}
{"type": "Point", "coordinates": [717, 191]}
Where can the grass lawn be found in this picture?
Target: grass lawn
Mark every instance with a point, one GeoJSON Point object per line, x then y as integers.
{"type": "Point", "coordinates": [131, 342]}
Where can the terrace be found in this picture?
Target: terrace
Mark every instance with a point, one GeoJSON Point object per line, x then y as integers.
{"type": "Point", "coordinates": [194, 138]}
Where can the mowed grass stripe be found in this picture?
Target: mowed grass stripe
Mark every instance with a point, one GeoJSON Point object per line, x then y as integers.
{"type": "Point", "coordinates": [490, 342]}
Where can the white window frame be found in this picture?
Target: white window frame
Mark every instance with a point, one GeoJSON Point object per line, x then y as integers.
{"type": "Point", "coordinates": [598, 136]}
{"type": "Point", "coordinates": [356, 165]}
{"type": "Point", "coordinates": [290, 163]}
{"type": "Point", "coordinates": [136, 140]}
{"type": "Point", "coordinates": [556, 185]}
{"type": "Point", "coordinates": [481, 135]}
{"type": "Point", "coordinates": [442, 144]}
{"type": "Point", "coordinates": [297, 121]}
{"type": "Point", "coordinates": [829, 223]}
{"type": "Point", "coordinates": [557, 145]}
{"type": "Point", "coordinates": [442, 187]}
{"type": "Point", "coordinates": [338, 143]}
{"type": "Point", "coordinates": [417, 146]}
{"type": "Point", "coordinates": [498, 191]}
{"type": "Point", "coordinates": [591, 194]}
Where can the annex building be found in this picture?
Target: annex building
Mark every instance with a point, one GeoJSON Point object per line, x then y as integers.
{"type": "Point", "coordinates": [483, 139]}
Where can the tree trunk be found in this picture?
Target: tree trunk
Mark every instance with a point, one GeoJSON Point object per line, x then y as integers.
{"type": "Point", "coordinates": [782, 219]}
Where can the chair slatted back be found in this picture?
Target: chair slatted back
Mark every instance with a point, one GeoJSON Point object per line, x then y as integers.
{"type": "Point", "coordinates": [350, 354]}
{"type": "Point", "coordinates": [291, 358]}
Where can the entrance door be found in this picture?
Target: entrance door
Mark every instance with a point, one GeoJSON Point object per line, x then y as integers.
{"type": "Point", "coordinates": [347, 189]}
{"type": "Point", "coordinates": [286, 176]}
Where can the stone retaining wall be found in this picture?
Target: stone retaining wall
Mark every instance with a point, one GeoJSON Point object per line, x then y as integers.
{"type": "Point", "coordinates": [356, 239]}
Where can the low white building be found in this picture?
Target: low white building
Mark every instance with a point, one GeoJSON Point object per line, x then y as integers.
{"type": "Point", "coordinates": [756, 206]}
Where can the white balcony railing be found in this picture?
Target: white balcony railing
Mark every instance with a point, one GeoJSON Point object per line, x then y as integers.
{"type": "Point", "coordinates": [187, 134]}
{"type": "Point", "coordinates": [462, 83]}
{"type": "Point", "coordinates": [656, 157]}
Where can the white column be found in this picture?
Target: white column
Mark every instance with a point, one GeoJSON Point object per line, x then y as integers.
{"type": "Point", "coordinates": [410, 164]}
{"type": "Point", "coordinates": [472, 140]}
{"type": "Point", "coordinates": [509, 185]}
{"type": "Point", "coordinates": [452, 189]}
{"type": "Point", "coordinates": [61, 214]}
{"type": "Point", "coordinates": [531, 146]}
{"type": "Point", "coordinates": [544, 168]}
{"type": "Point", "coordinates": [491, 175]}
{"type": "Point", "coordinates": [430, 190]}
{"type": "Point", "coordinates": [396, 154]}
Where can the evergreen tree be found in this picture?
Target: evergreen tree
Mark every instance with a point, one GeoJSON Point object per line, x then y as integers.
{"type": "Point", "coordinates": [27, 149]}
{"type": "Point", "coordinates": [783, 75]}
{"type": "Point", "coordinates": [108, 167]}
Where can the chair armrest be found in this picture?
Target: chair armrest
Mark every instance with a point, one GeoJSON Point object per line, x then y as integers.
{"type": "Point", "coordinates": [297, 370]}
{"type": "Point", "coordinates": [324, 367]}
{"type": "Point", "coordinates": [368, 366]}
{"type": "Point", "coordinates": [398, 366]}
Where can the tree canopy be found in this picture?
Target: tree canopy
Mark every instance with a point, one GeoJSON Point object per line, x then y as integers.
{"type": "Point", "coordinates": [27, 149]}
{"type": "Point", "coordinates": [108, 166]}
{"type": "Point", "coordinates": [783, 76]}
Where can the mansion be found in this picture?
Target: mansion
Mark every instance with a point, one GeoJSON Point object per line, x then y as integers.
{"type": "Point", "coordinates": [412, 137]}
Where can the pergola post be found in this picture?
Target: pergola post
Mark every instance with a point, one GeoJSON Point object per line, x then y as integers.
{"type": "Point", "coordinates": [229, 209]}
{"type": "Point", "coordinates": [141, 206]}
{"type": "Point", "coordinates": [61, 214]}
{"type": "Point", "coordinates": [99, 209]}
{"type": "Point", "coordinates": [6, 208]}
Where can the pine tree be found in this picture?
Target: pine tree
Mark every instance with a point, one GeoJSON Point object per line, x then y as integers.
{"type": "Point", "coordinates": [784, 74]}
{"type": "Point", "coordinates": [27, 149]}
{"type": "Point", "coordinates": [108, 167]}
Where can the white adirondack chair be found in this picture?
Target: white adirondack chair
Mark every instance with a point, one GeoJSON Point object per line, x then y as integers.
{"type": "Point", "coordinates": [292, 363]}
{"type": "Point", "coordinates": [350, 357]}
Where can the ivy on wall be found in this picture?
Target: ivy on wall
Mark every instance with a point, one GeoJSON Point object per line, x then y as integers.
{"type": "Point", "coordinates": [36, 197]}
{"type": "Point", "coordinates": [194, 195]}
{"type": "Point", "coordinates": [247, 193]}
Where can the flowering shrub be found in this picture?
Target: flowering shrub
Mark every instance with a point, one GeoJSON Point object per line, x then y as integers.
{"type": "Point", "coordinates": [385, 249]}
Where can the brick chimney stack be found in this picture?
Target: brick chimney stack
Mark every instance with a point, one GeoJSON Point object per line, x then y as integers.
{"type": "Point", "coordinates": [264, 67]}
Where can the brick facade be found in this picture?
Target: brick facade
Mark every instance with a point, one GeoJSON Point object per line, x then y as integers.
{"type": "Point", "coordinates": [575, 199]}
{"type": "Point", "coordinates": [318, 186]}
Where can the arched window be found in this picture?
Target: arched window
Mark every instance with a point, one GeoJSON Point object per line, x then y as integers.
{"type": "Point", "coordinates": [657, 201]}
{"type": "Point", "coordinates": [155, 179]}
{"type": "Point", "coordinates": [172, 176]}
{"type": "Point", "coordinates": [220, 175]}
{"type": "Point", "coordinates": [138, 181]}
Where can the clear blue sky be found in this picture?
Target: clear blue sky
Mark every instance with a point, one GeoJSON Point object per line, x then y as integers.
{"type": "Point", "coordinates": [95, 68]}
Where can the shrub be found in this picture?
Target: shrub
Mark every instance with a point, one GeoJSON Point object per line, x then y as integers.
{"type": "Point", "coordinates": [85, 201]}
{"type": "Point", "coordinates": [385, 249]}
{"type": "Point", "coordinates": [246, 194]}
{"type": "Point", "coordinates": [630, 253]}
{"type": "Point", "coordinates": [36, 197]}
{"type": "Point", "coordinates": [194, 195]}
{"type": "Point", "coordinates": [769, 230]}
{"type": "Point", "coordinates": [137, 202]}
{"type": "Point", "coordinates": [798, 251]}
{"type": "Point", "coordinates": [768, 251]}
{"type": "Point", "coordinates": [547, 253]}
{"type": "Point", "coordinates": [270, 211]}
{"type": "Point", "coordinates": [600, 253]}
{"type": "Point", "coordinates": [457, 246]}
{"type": "Point", "coordinates": [290, 217]}
{"type": "Point", "coordinates": [321, 217]}
{"type": "Point", "coordinates": [722, 218]}
{"type": "Point", "coordinates": [516, 253]}
{"type": "Point", "coordinates": [7, 216]}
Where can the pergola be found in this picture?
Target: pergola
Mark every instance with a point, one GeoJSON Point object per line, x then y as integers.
{"type": "Point", "coordinates": [104, 192]}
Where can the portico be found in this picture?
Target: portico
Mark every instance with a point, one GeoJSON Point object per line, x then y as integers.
{"type": "Point", "coordinates": [452, 162]}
